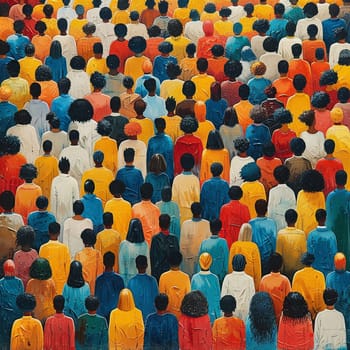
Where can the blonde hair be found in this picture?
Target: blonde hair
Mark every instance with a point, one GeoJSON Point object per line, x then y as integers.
{"type": "Point", "coordinates": [245, 233]}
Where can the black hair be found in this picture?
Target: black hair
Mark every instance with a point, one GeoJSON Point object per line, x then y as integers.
{"type": "Point", "coordinates": [235, 193]}
{"type": "Point", "coordinates": [290, 28]}
{"type": "Point", "coordinates": [115, 103]}
{"type": "Point", "coordinates": [329, 146]}
{"type": "Point", "coordinates": [196, 208]}
{"type": "Point", "coordinates": [343, 94]}
{"type": "Point", "coordinates": [88, 237]}
{"type": "Point", "coordinates": [164, 221]}
{"type": "Point", "coordinates": [187, 161]}
{"type": "Point", "coordinates": [91, 303]}
{"type": "Point", "coordinates": [228, 304]}
{"type": "Point", "coordinates": [141, 262]}
{"type": "Point", "coordinates": [341, 177]}
{"type": "Point", "coordinates": [215, 226]}
{"type": "Point", "coordinates": [166, 194]}
{"type": "Point", "coordinates": [108, 259]}
{"type": "Point", "coordinates": [299, 82]}
{"type": "Point", "coordinates": [291, 216]}
{"type": "Point", "coordinates": [117, 187]}
{"type": "Point", "coordinates": [312, 181]}
{"type": "Point", "coordinates": [233, 69]}
{"type": "Point", "coordinates": [146, 191]}
{"type": "Point", "coordinates": [295, 306]}
{"type": "Point", "coordinates": [174, 258]}
{"type": "Point", "coordinates": [42, 202]}
{"type": "Point", "coordinates": [297, 146]}
{"type": "Point", "coordinates": [270, 44]}
{"type": "Point", "coordinates": [275, 262]}
{"type": "Point", "coordinates": [47, 146]}
{"type": "Point", "coordinates": [98, 80]}
{"type": "Point", "coordinates": [330, 296]}
{"type": "Point", "coordinates": [7, 200]}
{"type": "Point", "coordinates": [120, 30]}
{"type": "Point", "coordinates": [104, 127]}
{"type": "Point", "coordinates": [261, 207]}
{"type": "Point", "coordinates": [54, 228]}
{"type": "Point", "coordinates": [78, 207]}
{"type": "Point", "coordinates": [281, 173]}
{"type": "Point", "coordinates": [216, 169]}
{"type": "Point", "coordinates": [25, 236]}
{"type": "Point", "coordinates": [188, 88]}
{"type": "Point", "coordinates": [58, 303]}
{"type": "Point", "coordinates": [22, 117]}
{"type": "Point", "coordinates": [161, 301]}
{"type": "Point", "coordinates": [135, 232]}
{"type": "Point", "coordinates": [320, 215]}
{"type": "Point", "coordinates": [28, 172]}
{"type": "Point", "coordinates": [64, 165]}
{"type": "Point", "coordinates": [214, 140]}
{"type": "Point", "coordinates": [129, 155]}
{"type": "Point", "coordinates": [310, 10]}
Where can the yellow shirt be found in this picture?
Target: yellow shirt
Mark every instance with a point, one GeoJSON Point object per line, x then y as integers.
{"type": "Point", "coordinates": [110, 150]}
{"type": "Point", "coordinates": [28, 67]}
{"type": "Point", "coordinates": [203, 131]}
{"type": "Point", "coordinates": [92, 262]}
{"type": "Point", "coordinates": [76, 28]}
{"type": "Point", "coordinates": [102, 177]}
{"type": "Point", "coordinates": [264, 12]}
{"type": "Point", "coordinates": [291, 244]}
{"type": "Point", "coordinates": [58, 256]}
{"type": "Point", "coordinates": [224, 28]}
{"type": "Point", "coordinates": [47, 167]}
{"type": "Point", "coordinates": [179, 46]}
{"type": "Point", "coordinates": [209, 157]}
{"type": "Point", "coordinates": [176, 284]}
{"type": "Point", "coordinates": [172, 88]}
{"type": "Point", "coordinates": [197, 5]}
{"type": "Point", "coordinates": [203, 83]}
{"type": "Point", "coordinates": [51, 24]}
{"type": "Point", "coordinates": [121, 210]}
{"type": "Point", "coordinates": [252, 191]}
{"type": "Point", "coordinates": [213, 17]}
{"type": "Point", "coordinates": [108, 240]}
{"type": "Point", "coordinates": [297, 104]}
{"type": "Point", "coordinates": [20, 91]}
{"type": "Point", "coordinates": [182, 14]}
{"type": "Point", "coordinates": [126, 330]}
{"type": "Point", "coordinates": [133, 67]}
{"type": "Point", "coordinates": [147, 129]}
{"type": "Point", "coordinates": [96, 65]}
{"type": "Point", "coordinates": [173, 126]}
{"type": "Point", "coordinates": [87, 4]}
{"type": "Point", "coordinates": [307, 204]}
{"type": "Point", "coordinates": [310, 283]}
{"type": "Point", "coordinates": [27, 330]}
{"type": "Point", "coordinates": [188, 67]}
{"type": "Point", "coordinates": [247, 24]}
{"type": "Point", "coordinates": [44, 292]}
{"type": "Point", "coordinates": [120, 16]}
{"type": "Point", "coordinates": [252, 255]}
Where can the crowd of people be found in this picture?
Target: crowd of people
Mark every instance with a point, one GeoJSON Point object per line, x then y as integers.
{"type": "Point", "coordinates": [174, 174]}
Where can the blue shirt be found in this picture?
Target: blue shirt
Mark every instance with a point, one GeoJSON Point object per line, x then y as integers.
{"type": "Point", "coordinates": [161, 332]}
{"type": "Point", "coordinates": [322, 243]}
{"type": "Point", "coordinates": [329, 27]}
{"type": "Point", "coordinates": [158, 181]}
{"type": "Point", "coordinates": [172, 209]}
{"type": "Point", "coordinates": [234, 45]}
{"type": "Point", "coordinates": [209, 285]}
{"type": "Point", "coordinates": [58, 67]}
{"type": "Point", "coordinates": [155, 107]}
{"type": "Point", "coordinates": [133, 180]}
{"type": "Point", "coordinates": [17, 43]}
{"type": "Point", "coordinates": [140, 88]}
{"type": "Point", "coordinates": [254, 344]}
{"type": "Point", "coordinates": [60, 106]}
{"type": "Point", "coordinates": [257, 87]}
{"type": "Point", "coordinates": [144, 288]}
{"type": "Point", "coordinates": [159, 66]}
{"type": "Point", "coordinates": [217, 248]}
{"type": "Point", "coordinates": [10, 288]}
{"type": "Point", "coordinates": [7, 111]}
{"type": "Point", "coordinates": [40, 221]}
{"type": "Point", "coordinates": [264, 235]}
{"type": "Point", "coordinates": [93, 209]}
{"type": "Point", "coordinates": [215, 111]}
{"type": "Point", "coordinates": [277, 28]}
{"type": "Point", "coordinates": [107, 289]}
{"type": "Point", "coordinates": [214, 194]}
{"type": "Point", "coordinates": [163, 144]}
{"type": "Point", "coordinates": [258, 135]}
{"type": "Point", "coordinates": [3, 70]}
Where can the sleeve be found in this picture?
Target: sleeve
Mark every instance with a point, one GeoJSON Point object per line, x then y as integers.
{"type": "Point", "coordinates": [243, 336]}
{"type": "Point", "coordinates": [147, 337]}
{"type": "Point", "coordinates": [140, 331]}
{"type": "Point", "coordinates": [47, 335]}
{"type": "Point", "coordinates": [257, 266]}
{"type": "Point", "coordinates": [184, 335]}
{"type": "Point", "coordinates": [71, 330]}
{"type": "Point", "coordinates": [39, 335]}
{"type": "Point", "coordinates": [224, 288]}
{"type": "Point", "coordinates": [174, 335]}
{"type": "Point", "coordinates": [112, 334]}
{"type": "Point", "coordinates": [215, 335]}
{"type": "Point", "coordinates": [104, 337]}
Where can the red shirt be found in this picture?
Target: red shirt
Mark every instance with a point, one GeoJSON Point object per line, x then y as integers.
{"type": "Point", "coordinates": [120, 49]}
{"type": "Point", "coordinates": [281, 141]}
{"type": "Point", "coordinates": [233, 215]}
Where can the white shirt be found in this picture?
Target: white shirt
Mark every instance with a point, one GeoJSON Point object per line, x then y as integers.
{"type": "Point", "coordinates": [314, 146]}
{"type": "Point", "coordinates": [281, 198]}
{"type": "Point", "coordinates": [93, 15]}
{"type": "Point", "coordinates": [72, 230]}
{"type": "Point", "coordinates": [136, 29]}
{"type": "Point", "coordinates": [323, 12]}
{"type": "Point", "coordinates": [257, 45]}
{"type": "Point", "coordinates": [194, 30]}
{"type": "Point", "coordinates": [285, 47]}
{"type": "Point", "coordinates": [237, 12]}
{"type": "Point", "coordinates": [271, 60]}
{"type": "Point", "coordinates": [140, 155]}
{"type": "Point", "coordinates": [66, 12]}
{"type": "Point", "coordinates": [193, 233]}
{"type": "Point", "coordinates": [87, 134]}
{"type": "Point", "coordinates": [38, 110]}
{"type": "Point", "coordinates": [29, 140]}
{"type": "Point", "coordinates": [241, 287]}
{"type": "Point", "coordinates": [69, 48]}
{"type": "Point", "coordinates": [80, 83]}
{"type": "Point", "coordinates": [64, 192]}
{"type": "Point", "coordinates": [334, 52]}
{"type": "Point", "coordinates": [301, 31]}
{"type": "Point", "coordinates": [237, 163]}
{"type": "Point", "coordinates": [105, 31]}
{"type": "Point", "coordinates": [59, 141]}
{"type": "Point", "coordinates": [79, 161]}
{"type": "Point", "coordinates": [330, 331]}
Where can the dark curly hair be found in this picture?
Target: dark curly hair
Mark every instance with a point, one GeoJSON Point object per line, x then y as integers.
{"type": "Point", "coordinates": [189, 124]}
{"type": "Point", "coordinates": [312, 181]}
{"type": "Point", "coordinates": [295, 306]}
{"type": "Point", "coordinates": [194, 304]}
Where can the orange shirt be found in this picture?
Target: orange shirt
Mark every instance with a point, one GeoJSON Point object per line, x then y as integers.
{"type": "Point", "coordinates": [300, 66]}
{"type": "Point", "coordinates": [42, 46]}
{"type": "Point", "coordinates": [120, 49]}
{"type": "Point", "coordinates": [51, 24]}
{"type": "Point", "coordinates": [49, 91]}
{"type": "Point", "coordinates": [76, 28]}
{"type": "Point", "coordinates": [278, 286]}
{"type": "Point", "coordinates": [85, 46]}
{"type": "Point", "coordinates": [317, 68]}
{"type": "Point", "coordinates": [216, 68]}
{"type": "Point", "coordinates": [38, 13]}
{"type": "Point", "coordinates": [25, 199]}
{"type": "Point", "coordinates": [323, 120]}
{"type": "Point", "coordinates": [267, 166]}
{"type": "Point", "coordinates": [6, 25]}
{"type": "Point", "coordinates": [10, 166]}
{"type": "Point", "coordinates": [101, 104]}
{"type": "Point", "coordinates": [309, 49]}
{"type": "Point", "coordinates": [152, 47]}
{"type": "Point", "coordinates": [285, 89]}
{"type": "Point", "coordinates": [242, 109]}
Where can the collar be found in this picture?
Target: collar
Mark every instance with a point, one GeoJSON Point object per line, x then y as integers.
{"type": "Point", "coordinates": [165, 232]}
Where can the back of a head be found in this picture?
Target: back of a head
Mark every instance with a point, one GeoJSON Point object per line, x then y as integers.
{"type": "Point", "coordinates": [291, 217]}
{"type": "Point", "coordinates": [297, 146]}
{"type": "Point", "coordinates": [341, 178]}
{"type": "Point", "coordinates": [275, 262]}
{"type": "Point", "coordinates": [215, 226]}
